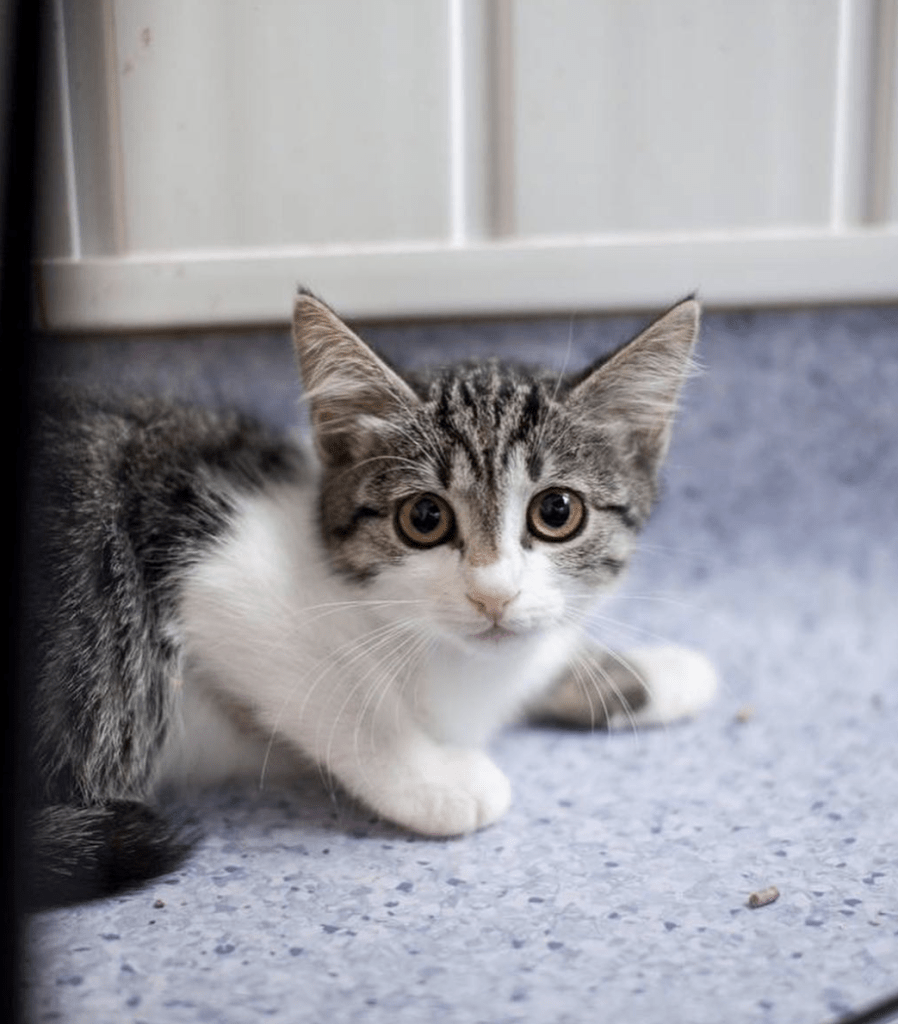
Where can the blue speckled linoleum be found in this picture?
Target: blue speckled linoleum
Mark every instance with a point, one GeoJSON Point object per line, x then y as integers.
{"type": "Point", "coordinates": [615, 890]}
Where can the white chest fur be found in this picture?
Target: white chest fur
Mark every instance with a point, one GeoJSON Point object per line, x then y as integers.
{"type": "Point", "coordinates": [270, 629]}
{"type": "Point", "coordinates": [469, 694]}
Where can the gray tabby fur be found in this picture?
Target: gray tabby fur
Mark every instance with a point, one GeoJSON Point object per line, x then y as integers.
{"type": "Point", "coordinates": [138, 504]}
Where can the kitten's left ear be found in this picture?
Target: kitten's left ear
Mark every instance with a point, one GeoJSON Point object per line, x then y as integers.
{"type": "Point", "coordinates": [635, 391]}
{"type": "Point", "coordinates": [345, 381]}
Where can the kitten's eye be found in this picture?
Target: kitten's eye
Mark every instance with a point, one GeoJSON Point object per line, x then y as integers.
{"type": "Point", "coordinates": [556, 515]}
{"type": "Point", "coordinates": [425, 520]}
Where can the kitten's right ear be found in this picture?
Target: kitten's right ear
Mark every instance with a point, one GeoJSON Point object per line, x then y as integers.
{"type": "Point", "coordinates": [635, 390]}
{"type": "Point", "coordinates": [345, 381]}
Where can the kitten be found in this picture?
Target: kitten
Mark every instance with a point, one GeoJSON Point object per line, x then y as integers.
{"type": "Point", "coordinates": [210, 600]}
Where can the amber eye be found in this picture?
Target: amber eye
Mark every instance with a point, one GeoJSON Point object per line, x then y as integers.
{"type": "Point", "coordinates": [425, 520]}
{"type": "Point", "coordinates": [556, 515]}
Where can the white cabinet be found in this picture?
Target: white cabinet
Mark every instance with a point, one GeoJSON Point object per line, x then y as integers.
{"type": "Point", "coordinates": [433, 157]}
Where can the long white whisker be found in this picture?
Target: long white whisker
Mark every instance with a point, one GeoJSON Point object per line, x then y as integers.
{"type": "Point", "coordinates": [395, 673]}
{"type": "Point", "coordinates": [668, 549]}
{"type": "Point", "coordinates": [369, 649]}
{"type": "Point", "coordinates": [618, 693]}
{"type": "Point", "coordinates": [592, 665]}
{"type": "Point", "coordinates": [597, 618]}
{"type": "Point", "coordinates": [628, 666]}
{"type": "Point", "coordinates": [383, 667]}
{"type": "Point", "coordinates": [586, 683]}
{"type": "Point", "coordinates": [354, 647]}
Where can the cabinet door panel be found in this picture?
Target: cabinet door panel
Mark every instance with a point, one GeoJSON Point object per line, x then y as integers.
{"type": "Point", "coordinates": [666, 116]}
{"type": "Point", "coordinates": [281, 123]}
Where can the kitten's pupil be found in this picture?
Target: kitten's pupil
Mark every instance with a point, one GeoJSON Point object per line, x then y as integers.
{"type": "Point", "coordinates": [426, 516]}
{"type": "Point", "coordinates": [555, 510]}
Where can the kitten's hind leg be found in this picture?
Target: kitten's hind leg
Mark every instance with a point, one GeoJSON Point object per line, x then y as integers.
{"type": "Point", "coordinates": [646, 686]}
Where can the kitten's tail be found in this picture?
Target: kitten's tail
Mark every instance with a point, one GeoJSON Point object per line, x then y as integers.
{"type": "Point", "coordinates": [81, 853]}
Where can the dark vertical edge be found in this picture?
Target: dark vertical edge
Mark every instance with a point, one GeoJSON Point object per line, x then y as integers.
{"type": "Point", "coordinates": [22, 20]}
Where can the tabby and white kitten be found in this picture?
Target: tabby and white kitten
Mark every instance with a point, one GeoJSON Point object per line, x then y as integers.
{"type": "Point", "coordinates": [209, 600]}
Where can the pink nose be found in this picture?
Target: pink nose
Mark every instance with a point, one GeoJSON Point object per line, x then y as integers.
{"type": "Point", "coordinates": [491, 605]}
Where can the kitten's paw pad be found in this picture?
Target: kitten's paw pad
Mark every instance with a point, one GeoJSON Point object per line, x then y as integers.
{"type": "Point", "coordinates": [680, 682]}
{"type": "Point", "coordinates": [459, 793]}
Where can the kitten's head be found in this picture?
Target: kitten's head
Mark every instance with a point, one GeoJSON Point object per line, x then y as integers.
{"type": "Point", "coordinates": [497, 500]}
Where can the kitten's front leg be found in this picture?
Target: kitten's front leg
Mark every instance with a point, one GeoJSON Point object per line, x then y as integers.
{"type": "Point", "coordinates": [646, 686]}
{"type": "Point", "coordinates": [434, 790]}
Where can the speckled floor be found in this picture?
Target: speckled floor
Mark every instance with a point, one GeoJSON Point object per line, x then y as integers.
{"type": "Point", "coordinates": [616, 888]}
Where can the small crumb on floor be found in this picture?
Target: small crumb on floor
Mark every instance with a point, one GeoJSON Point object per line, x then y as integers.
{"type": "Point", "coordinates": [764, 896]}
{"type": "Point", "coordinates": [745, 714]}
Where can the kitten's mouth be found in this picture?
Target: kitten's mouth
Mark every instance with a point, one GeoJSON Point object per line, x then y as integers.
{"type": "Point", "coordinates": [496, 634]}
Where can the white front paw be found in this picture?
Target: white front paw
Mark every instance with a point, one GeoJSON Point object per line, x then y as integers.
{"type": "Point", "coordinates": [451, 793]}
{"type": "Point", "coordinates": [679, 682]}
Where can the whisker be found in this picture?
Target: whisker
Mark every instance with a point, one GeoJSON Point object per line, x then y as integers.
{"type": "Point", "coordinates": [355, 648]}
{"type": "Point", "coordinates": [596, 618]}
{"type": "Point", "coordinates": [577, 667]}
{"type": "Point", "coordinates": [395, 673]}
{"type": "Point", "coordinates": [592, 665]}
{"type": "Point", "coordinates": [370, 649]}
{"type": "Point", "coordinates": [385, 675]}
{"type": "Point", "coordinates": [619, 694]}
{"type": "Point", "coordinates": [668, 549]}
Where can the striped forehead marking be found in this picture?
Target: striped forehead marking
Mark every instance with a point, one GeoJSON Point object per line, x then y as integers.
{"type": "Point", "coordinates": [486, 417]}
{"type": "Point", "coordinates": [491, 523]}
